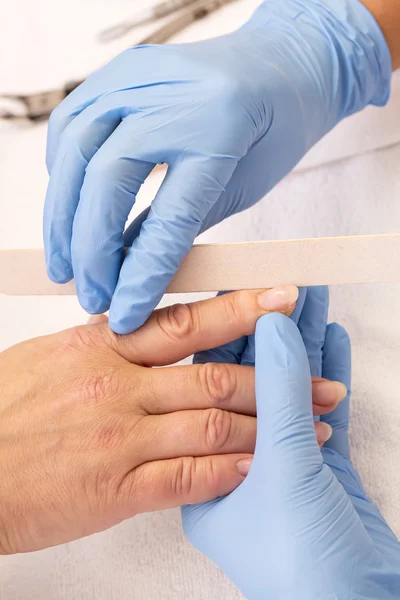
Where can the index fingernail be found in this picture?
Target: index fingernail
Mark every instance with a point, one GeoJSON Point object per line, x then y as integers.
{"type": "Point", "coordinates": [278, 298]}
{"type": "Point", "coordinates": [328, 393]}
{"type": "Point", "coordinates": [243, 466]}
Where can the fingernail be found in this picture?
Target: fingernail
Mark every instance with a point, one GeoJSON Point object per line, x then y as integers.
{"type": "Point", "coordinates": [324, 433]}
{"type": "Point", "coordinates": [243, 466]}
{"type": "Point", "coordinates": [278, 298]}
{"type": "Point", "coordinates": [327, 393]}
{"type": "Point", "coordinates": [94, 319]}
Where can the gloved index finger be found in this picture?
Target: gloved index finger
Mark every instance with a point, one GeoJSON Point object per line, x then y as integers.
{"type": "Point", "coordinates": [112, 181]}
{"type": "Point", "coordinates": [189, 190]}
{"type": "Point", "coordinates": [227, 353]}
{"type": "Point", "coordinates": [312, 325]}
{"type": "Point", "coordinates": [336, 366]}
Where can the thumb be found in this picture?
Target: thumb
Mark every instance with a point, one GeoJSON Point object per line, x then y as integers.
{"type": "Point", "coordinates": [285, 427]}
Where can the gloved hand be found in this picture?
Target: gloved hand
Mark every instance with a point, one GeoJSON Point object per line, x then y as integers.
{"type": "Point", "coordinates": [300, 525]}
{"type": "Point", "coordinates": [230, 116]}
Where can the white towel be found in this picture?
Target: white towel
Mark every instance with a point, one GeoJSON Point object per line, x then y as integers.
{"type": "Point", "coordinates": [147, 558]}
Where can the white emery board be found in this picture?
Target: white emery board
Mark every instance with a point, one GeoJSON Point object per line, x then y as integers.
{"type": "Point", "coordinates": [213, 267]}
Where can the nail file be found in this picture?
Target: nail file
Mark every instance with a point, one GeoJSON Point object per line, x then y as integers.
{"type": "Point", "coordinates": [213, 267]}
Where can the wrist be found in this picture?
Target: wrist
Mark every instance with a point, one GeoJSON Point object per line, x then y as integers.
{"type": "Point", "coordinates": [387, 15]}
{"type": "Point", "coordinates": [339, 58]}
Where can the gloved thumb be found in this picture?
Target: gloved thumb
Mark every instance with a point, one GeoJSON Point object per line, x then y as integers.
{"type": "Point", "coordinates": [286, 439]}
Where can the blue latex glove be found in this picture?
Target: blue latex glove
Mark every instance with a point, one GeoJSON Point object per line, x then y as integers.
{"type": "Point", "coordinates": [230, 116]}
{"type": "Point", "coordinates": [300, 526]}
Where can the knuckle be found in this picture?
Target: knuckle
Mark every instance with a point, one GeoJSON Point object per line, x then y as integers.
{"type": "Point", "coordinates": [99, 387]}
{"type": "Point", "coordinates": [210, 473]}
{"type": "Point", "coordinates": [82, 338]}
{"type": "Point", "coordinates": [177, 322]}
{"type": "Point", "coordinates": [95, 489]}
{"type": "Point", "coordinates": [100, 488]}
{"type": "Point", "coordinates": [236, 307]}
{"type": "Point", "coordinates": [129, 491]}
{"type": "Point", "coordinates": [184, 477]}
{"type": "Point", "coordinates": [104, 171]}
{"type": "Point", "coordinates": [218, 428]}
{"type": "Point", "coordinates": [57, 118]}
{"type": "Point", "coordinates": [108, 435]}
{"type": "Point", "coordinates": [69, 136]}
{"type": "Point", "coordinates": [102, 385]}
{"type": "Point", "coordinates": [218, 382]}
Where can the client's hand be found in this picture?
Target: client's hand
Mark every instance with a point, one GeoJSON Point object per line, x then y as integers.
{"type": "Point", "coordinates": [301, 525]}
{"type": "Point", "coordinates": [89, 435]}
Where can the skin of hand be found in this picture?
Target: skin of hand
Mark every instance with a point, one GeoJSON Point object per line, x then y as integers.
{"type": "Point", "coordinates": [387, 14]}
{"type": "Point", "coordinates": [300, 525]}
{"type": "Point", "coordinates": [230, 116]}
{"type": "Point", "coordinates": [91, 435]}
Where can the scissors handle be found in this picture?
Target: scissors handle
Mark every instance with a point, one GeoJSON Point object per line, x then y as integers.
{"type": "Point", "coordinates": [155, 13]}
{"type": "Point", "coordinates": [35, 107]}
{"type": "Point", "coordinates": [170, 6]}
{"type": "Point", "coordinates": [196, 10]}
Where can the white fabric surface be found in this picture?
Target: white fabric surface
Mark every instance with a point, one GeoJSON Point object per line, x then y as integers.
{"type": "Point", "coordinates": [147, 558]}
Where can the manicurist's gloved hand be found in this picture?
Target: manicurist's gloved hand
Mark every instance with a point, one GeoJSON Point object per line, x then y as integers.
{"type": "Point", "coordinates": [230, 116]}
{"type": "Point", "coordinates": [300, 525]}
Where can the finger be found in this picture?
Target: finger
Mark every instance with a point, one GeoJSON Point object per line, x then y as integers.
{"type": "Point", "coordinates": [77, 145]}
{"type": "Point", "coordinates": [249, 353]}
{"type": "Point", "coordinates": [211, 385]}
{"type": "Point", "coordinates": [286, 441]}
{"type": "Point", "coordinates": [189, 190]}
{"type": "Point", "coordinates": [113, 179]}
{"type": "Point", "coordinates": [197, 433]}
{"type": "Point", "coordinates": [337, 366]}
{"type": "Point", "coordinates": [177, 331]}
{"type": "Point", "coordinates": [95, 319]}
{"type": "Point", "coordinates": [132, 232]}
{"type": "Point", "coordinates": [189, 480]}
{"type": "Point", "coordinates": [226, 353]}
{"type": "Point", "coordinates": [113, 78]}
{"type": "Point", "coordinates": [312, 325]}
{"type": "Point", "coordinates": [295, 316]}
{"type": "Point", "coordinates": [239, 351]}
{"type": "Point", "coordinates": [219, 385]}
{"type": "Point", "coordinates": [323, 433]}
{"type": "Point", "coordinates": [62, 116]}
{"type": "Point", "coordinates": [326, 395]}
